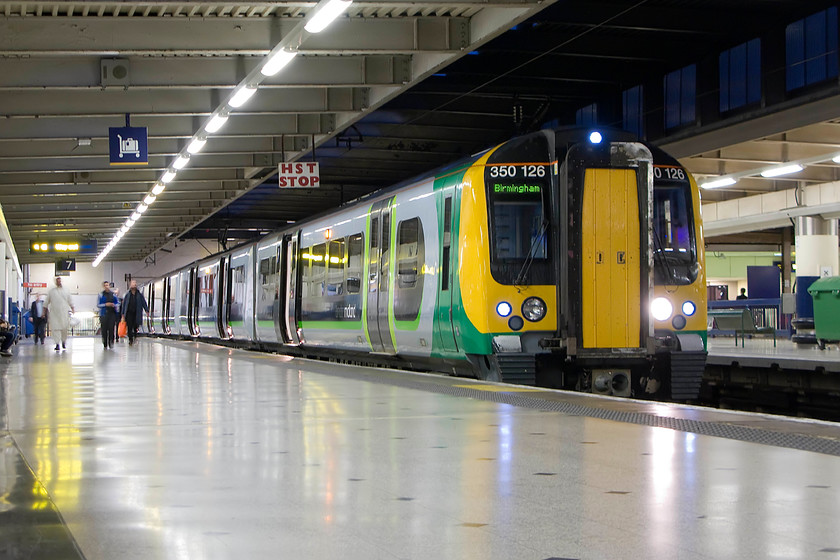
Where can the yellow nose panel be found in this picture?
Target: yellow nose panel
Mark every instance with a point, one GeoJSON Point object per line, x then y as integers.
{"type": "Point", "coordinates": [611, 299]}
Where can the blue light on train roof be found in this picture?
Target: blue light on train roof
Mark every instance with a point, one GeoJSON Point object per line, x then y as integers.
{"type": "Point", "coordinates": [595, 137]}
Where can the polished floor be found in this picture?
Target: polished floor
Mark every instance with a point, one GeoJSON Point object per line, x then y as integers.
{"type": "Point", "coordinates": [176, 450]}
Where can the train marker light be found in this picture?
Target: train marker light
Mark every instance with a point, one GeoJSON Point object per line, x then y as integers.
{"type": "Point", "coordinates": [689, 308]}
{"type": "Point", "coordinates": [661, 309]}
{"type": "Point", "coordinates": [504, 309]}
{"type": "Point", "coordinates": [533, 309]}
{"type": "Point", "coordinates": [595, 137]}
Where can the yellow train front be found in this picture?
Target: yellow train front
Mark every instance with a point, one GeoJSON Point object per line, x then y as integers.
{"type": "Point", "coordinates": [581, 266]}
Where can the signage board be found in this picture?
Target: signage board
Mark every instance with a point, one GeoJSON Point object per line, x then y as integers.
{"type": "Point", "coordinates": [63, 247]}
{"type": "Point", "coordinates": [65, 265]}
{"type": "Point", "coordinates": [299, 175]}
{"type": "Point", "coordinates": [34, 284]}
{"type": "Point", "coordinates": [128, 145]}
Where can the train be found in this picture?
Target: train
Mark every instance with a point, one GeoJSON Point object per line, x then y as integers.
{"type": "Point", "coordinates": [564, 258]}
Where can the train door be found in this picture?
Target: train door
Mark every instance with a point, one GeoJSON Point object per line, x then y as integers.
{"type": "Point", "coordinates": [287, 318]}
{"type": "Point", "coordinates": [195, 292]}
{"type": "Point", "coordinates": [379, 273]}
{"type": "Point", "coordinates": [447, 257]}
{"type": "Point", "coordinates": [164, 312]}
{"type": "Point", "coordinates": [222, 299]}
{"type": "Point", "coordinates": [150, 301]}
{"type": "Point", "coordinates": [610, 267]}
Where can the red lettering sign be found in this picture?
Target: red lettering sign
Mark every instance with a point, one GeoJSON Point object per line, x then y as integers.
{"type": "Point", "coordinates": [299, 175]}
{"type": "Point", "coordinates": [34, 285]}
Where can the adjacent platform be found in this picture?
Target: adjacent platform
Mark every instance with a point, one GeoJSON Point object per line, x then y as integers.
{"type": "Point", "coordinates": [760, 352]}
{"type": "Point", "coordinates": [181, 450]}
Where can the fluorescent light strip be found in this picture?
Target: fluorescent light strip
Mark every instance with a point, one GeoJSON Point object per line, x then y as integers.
{"type": "Point", "coordinates": [217, 122]}
{"type": "Point", "coordinates": [168, 176]}
{"type": "Point", "coordinates": [181, 162]}
{"type": "Point", "coordinates": [150, 198]}
{"type": "Point", "coordinates": [135, 216]}
{"type": "Point", "coordinates": [142, 208]}
{"type": "Point", "coordinates": [723, 182]}
{"type": "Point", "coordinates": [277, 62]}
{"type": "Point", "coordinates": [158, 188]}
{"type": "Point", "coordinates": [783, 170]}
{"type": "Point", "coordinates": [241, 96]}
{"type": "Point", "coordinates": [326, 15]}
{"type": "Point", "coordinates": [196, 145]}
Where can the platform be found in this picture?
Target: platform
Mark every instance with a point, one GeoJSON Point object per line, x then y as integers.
{"type": "Point", "coordinates": [178, 450]}
{"type": "Point", "coordinates": [760, 352]}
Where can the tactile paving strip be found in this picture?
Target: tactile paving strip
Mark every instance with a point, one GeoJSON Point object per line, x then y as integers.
{"type": "Point", "coordinates": [717, 429]}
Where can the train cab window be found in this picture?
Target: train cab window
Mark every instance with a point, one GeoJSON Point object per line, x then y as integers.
{"type": "Point", "coordinates": [355, 249]}
{"type": "Point", "coordinates": [335, 267]}
{"type": "Point", "coordinates": [410, 257]}
{"type": "Point", "coordinates": [675, 255]}
{"type": "Point", "coordinates": [518, 178]}
{"type": "Point", "coordinates": [447, 244]}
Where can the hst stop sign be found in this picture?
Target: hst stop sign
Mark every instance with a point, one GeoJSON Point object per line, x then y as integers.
{"type": "Point", "coordinates": [299, 175]}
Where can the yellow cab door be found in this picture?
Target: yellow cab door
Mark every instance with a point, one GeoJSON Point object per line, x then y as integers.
{"type": "Point", "coordinates": [611, 291]}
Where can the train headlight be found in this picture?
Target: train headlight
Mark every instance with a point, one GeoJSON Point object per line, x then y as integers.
{"type": "Point", "coordinates": [533, 309]}
{"type": "Point", "coordinates": [504, 309]}
{"type": "Point", "coordinates": [661, 309]}
{"type": "Point", "coordinates": [688, 308]}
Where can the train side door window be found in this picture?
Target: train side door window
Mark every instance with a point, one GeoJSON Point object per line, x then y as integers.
{"type": "Point", "coordinates": [355, 249]}
{"type": "Point", "coordinates": [335, 267]}
{"type": "Point", "coordinates": [410, 259]}
{"type": "Point", "coordinates": [447, 243]}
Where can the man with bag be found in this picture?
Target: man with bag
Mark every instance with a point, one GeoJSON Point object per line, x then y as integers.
{"type": "Point", "coordinates": [38, 318]}
{"type": "Point", "coordinates": [107, 314]}
{"type": "Point", "coordinates": [133, 305]}
{"type": "Point", "coordinates": [60, 305]}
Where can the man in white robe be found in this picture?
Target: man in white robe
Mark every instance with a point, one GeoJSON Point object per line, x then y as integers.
{"type": "Point", "coordinates": [59, 304]}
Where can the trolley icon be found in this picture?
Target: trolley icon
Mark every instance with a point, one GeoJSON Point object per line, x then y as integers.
{"type": "Point", "coordinates": [129, 146]}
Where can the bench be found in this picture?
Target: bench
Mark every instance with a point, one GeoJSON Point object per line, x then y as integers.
{"type": "Point", "coordinates": [740, 321]}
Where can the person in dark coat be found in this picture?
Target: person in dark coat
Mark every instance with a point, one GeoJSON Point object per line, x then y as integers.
{"type": "Point", "coordinates": [133, 305]}
{"type": "Point", "coordinates": [38, 318]}
{"type": "Point", "coordinates": [107, 305]}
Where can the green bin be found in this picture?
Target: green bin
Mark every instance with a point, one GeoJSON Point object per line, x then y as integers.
{"type": "Point", "coordinates": [826, 295]}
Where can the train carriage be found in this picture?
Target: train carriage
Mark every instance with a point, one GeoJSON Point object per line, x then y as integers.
{"type": "Point", "coordinates": [561, 258]}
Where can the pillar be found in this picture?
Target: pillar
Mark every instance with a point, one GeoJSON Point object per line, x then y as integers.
{"type": "Point", "coordinates": [816, 256]}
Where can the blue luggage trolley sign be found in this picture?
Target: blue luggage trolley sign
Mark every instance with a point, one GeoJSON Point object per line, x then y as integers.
{"type": "Point", "coordinates": [128, 145]}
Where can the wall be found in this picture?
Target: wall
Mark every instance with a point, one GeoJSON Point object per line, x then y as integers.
{"type": "Point", "coordinates": [183, 254]}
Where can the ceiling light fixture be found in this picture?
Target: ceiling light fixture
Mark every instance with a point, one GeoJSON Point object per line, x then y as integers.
{"type": "Point", "coordinates": [142, 208]}
{"type": "Point", "coordinates": [196, 145]}
{"type": "Point", "coordinates": [723, 182]}
{"type": "Point", "coordinates": [149, 199]}
{"type": "Point", "coordinates": [158, 188]}
{"type": "Point", "coordinates": [242, 95]}
{"type": "Point", "coordinates": [277, 62]}
{"type": "Point", "coordinates": [217, 122]}
{"type": "Point", "coordinates": [135, 216]}
{"type": "Point", "coordinates": [181, 162]}
{"type": "Point", "coordinates": [783, 170]}
{"type": "Point", "coordinates": [326, 15]}
{"type": "Point", "coordinates": [168, 176]}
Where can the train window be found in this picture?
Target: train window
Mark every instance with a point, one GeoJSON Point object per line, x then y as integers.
{"type": "Point", "coordinates": [237, 294]}
{"type": "Point", "coordinates": [355, 249]}
{"type": "Point", "coordinates": [410, 260]}
{"type": "Point", "coordinates": [675, 261]}
{"type": "Point", "coordinates": [317, 255]}
{"type": "Point", "coordinates": [447, 244]}
{"type": "Point", "coordinates": [384, 260]}
{"type": "Point", "coordinates": [335, 267]}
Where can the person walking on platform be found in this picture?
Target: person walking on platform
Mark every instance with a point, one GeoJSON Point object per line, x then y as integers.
{"type": "Point", "coordinates": [59, 305]}
{"type": "Point", "coordinates": [38, 318]}
{"type": "Point", "coordinates": [107, 305]}
{"type": "Point", "coordinates": [133, 305]}
{"type": "Point", "coordinates": [118, 309]}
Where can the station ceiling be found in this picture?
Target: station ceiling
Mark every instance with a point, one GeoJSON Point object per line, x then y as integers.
{"type": "Point", "coordinates": [390, 90]}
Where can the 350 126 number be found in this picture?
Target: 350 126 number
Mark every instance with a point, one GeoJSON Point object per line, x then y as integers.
{"type": "Point", "coordinates": [526, 170]}
{"type": "Point", "coordinates": [670, 173]}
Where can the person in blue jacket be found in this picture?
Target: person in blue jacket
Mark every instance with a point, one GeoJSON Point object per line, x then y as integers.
{"type": "Point", "coordinates": [108, 304]}
{"type": "Point", "coordinates": [133, 305]}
